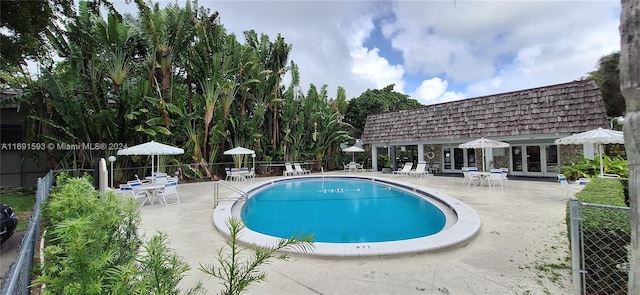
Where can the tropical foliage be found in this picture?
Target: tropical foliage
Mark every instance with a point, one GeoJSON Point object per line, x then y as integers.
{"type": "Point", "coordinates": [175, 75]}
{"type": "Point", "coordinates": [376, 101]}
{"type": "Point", "coordinates": [608, 78]}
{"type": "Point", "coordinates": [588, 168]}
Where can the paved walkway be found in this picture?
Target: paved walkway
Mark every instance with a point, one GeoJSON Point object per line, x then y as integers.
{"type": "Point", "coordinates": [523, 231]}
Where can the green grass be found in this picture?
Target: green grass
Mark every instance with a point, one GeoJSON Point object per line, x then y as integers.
{"type": "Point", "coordinates": [22, 201]}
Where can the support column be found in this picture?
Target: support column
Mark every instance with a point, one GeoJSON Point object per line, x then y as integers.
{"type": "Point", "coordinates": [421, 153]}
{"type": "Point", "coordinates": [374, 157]}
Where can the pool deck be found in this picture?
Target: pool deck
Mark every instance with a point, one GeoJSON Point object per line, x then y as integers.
{"type": "Point", "coordinates": [523, 230]}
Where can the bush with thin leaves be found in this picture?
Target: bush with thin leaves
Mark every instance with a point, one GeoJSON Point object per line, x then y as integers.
{"type": "Point", "coordinates": [158, 271]}
{"type": "Point", "coordinates": [238, 272]}
{"type": "Point", "coordinates": [92, 246]}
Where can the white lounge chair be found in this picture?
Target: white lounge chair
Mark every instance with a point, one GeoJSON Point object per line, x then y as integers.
{"type": "Point", "coordinates": [299, 170]}
{"type": "Point", "coordinates": [420, 171]}
{"type": "Point", "coordinates": [405, 169]}
{"type": "Point", "coordinates": [289, 170]}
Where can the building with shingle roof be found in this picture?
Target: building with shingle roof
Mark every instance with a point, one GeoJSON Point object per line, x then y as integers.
{"type": "Point", "coordinates": [529, 120]}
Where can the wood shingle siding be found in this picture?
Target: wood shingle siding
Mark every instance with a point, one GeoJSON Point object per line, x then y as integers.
{"type": "Point", "coordinates": [564, 108]}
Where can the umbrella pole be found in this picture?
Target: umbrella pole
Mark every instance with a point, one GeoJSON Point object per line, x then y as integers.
{"type": "Point", "coordinates": [484, 163]}
{"type": "Point", "coordinates": [600, 152]}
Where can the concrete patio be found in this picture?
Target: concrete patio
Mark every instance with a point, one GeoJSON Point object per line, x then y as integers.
{"type": "Point", "coordinates": [520, 244]}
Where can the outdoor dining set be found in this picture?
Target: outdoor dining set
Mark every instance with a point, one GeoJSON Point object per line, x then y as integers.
{"type": "Point", "coordinates": [490, 178]}
{"type": "Point", "coordinates": [239, 174]}
{"type": "Point", "coordinates": [158, 185]}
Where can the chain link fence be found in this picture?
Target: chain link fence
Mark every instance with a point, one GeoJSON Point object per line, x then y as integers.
{"type": "Point", "coordinates": [18, 277]}
{"type": "Point", "coordinates": [600, 248]}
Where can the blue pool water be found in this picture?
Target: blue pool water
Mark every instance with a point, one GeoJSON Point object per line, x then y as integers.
{"type": "Point", "coordinates": [341, 211]}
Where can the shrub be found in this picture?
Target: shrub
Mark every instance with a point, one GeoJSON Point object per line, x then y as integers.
{"type": "Point", "coordinates": [582, 167]}
{"type": "Point", "coordinates": [384, 161]}
{"type": "Point", "coordinates": [93, 246]}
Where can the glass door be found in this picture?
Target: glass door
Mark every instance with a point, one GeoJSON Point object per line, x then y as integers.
{"type": "Point", "coordinates": [552, 160]}
{"type": "Point", "coordinates": [447, 156]}
{"type": "Point", "coordinates": [534, 159]}
{"type": "Point", "coordinates": [516, 159]}
{"type": "Point", "coordinates": [456, 158]}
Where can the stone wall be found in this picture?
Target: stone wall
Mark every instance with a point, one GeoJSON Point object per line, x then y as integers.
{"type": "Point", "coordinates": [569, 152]}
{"type": "Point", "coordinates": [436, 149]}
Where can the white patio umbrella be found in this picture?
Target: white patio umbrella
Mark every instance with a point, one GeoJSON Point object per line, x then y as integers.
{"type": "Point", "coordinates": [152, 149]}
{"type": "Point", "coordinates": [241, 151]}
{"type": "Point", "coordinates": [596, 136]}
{"type": "Point", "coordinates": [483, 143]}
{"type": "Point", "coordinates": [353, 150]}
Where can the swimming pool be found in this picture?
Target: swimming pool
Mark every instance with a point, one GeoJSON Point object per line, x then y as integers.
{"type": "Point", "coordinates": [461, 222]}
{"type": "Point", "coordinates": [341, 211]}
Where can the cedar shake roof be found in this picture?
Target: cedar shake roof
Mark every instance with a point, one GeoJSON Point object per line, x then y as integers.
{"type": "Point", "coordinates": [564, 108]}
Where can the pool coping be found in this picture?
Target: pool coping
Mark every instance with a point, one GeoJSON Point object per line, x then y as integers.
{"type": "Point", "coordinates": [465, 228]}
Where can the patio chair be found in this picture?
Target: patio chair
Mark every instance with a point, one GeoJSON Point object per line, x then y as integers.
{"type": "Point", "coordinates": [250, 173]}
{"type": "Point", "coordinates": [299, 170]}
{"type": "Point", "coordinates": [174, 177]}
{"type": "Point", "coordinates": [505, 175]}
{"type": "Point", "coordinates": [435, 168]}
{"type": "Point", "coordinates": [570, 187]}
{"type": "Point", "coordinates": [405, 169]}
{"type": "Point", "coordinates": [288, 170]}
{"type": "Point", "coordinates": [228, 175]}
{"type": "Point", "coordinates": [606, 175]}
{"type": "Point", "coordinates": [495, 176]}
{"type": "Point", "coordinates": [466, 176]}
{"type": "Point", "coordinates": [233, 174]}
{"type": "Point", "coordinates": [345, 167]}
{"type": "Point", "coordinates": [161, 178]}
{"type": "Point", "coordinates": [138, 179]}
{"type": "Point", "coordinates": [238, 174]}
{"type": "Point", "coordinates": [474, 177]}
{"type": "Point", "coordinates": [129, 191]}
{"type": "Point", "coordinates": [170, 189]}
{"type": "Point", "coordinates": [420, 171]}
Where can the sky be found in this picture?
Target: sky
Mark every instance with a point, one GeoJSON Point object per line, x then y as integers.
{"type": "Point", "coordinates": [433, 51]}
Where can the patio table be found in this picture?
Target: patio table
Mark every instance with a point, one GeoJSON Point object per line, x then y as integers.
{"type": "Point", "coordinates": [150, 189]}
{"type": "Point", "coordinates": [483, 176]}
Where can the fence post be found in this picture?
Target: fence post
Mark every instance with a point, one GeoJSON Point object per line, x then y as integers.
{"type": "Point", "coordinates": [576, 254]}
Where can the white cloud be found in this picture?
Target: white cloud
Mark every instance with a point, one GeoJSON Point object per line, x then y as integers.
{"type": "Point", "coordinates": [435, 90]}
{"type": "Point", "coordinates": [497, 46]}
{"type": "Point", "coordinates": [367, 64]}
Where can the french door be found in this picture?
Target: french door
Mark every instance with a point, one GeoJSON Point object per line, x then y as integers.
{"type": "Point", "coordinates": [534, 160]}
{"type": "Point", "coordinates": [455, 158]}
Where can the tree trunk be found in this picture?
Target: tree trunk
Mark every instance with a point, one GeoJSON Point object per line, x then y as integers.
{"type": "Point", "coordinates": [630, 87]}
